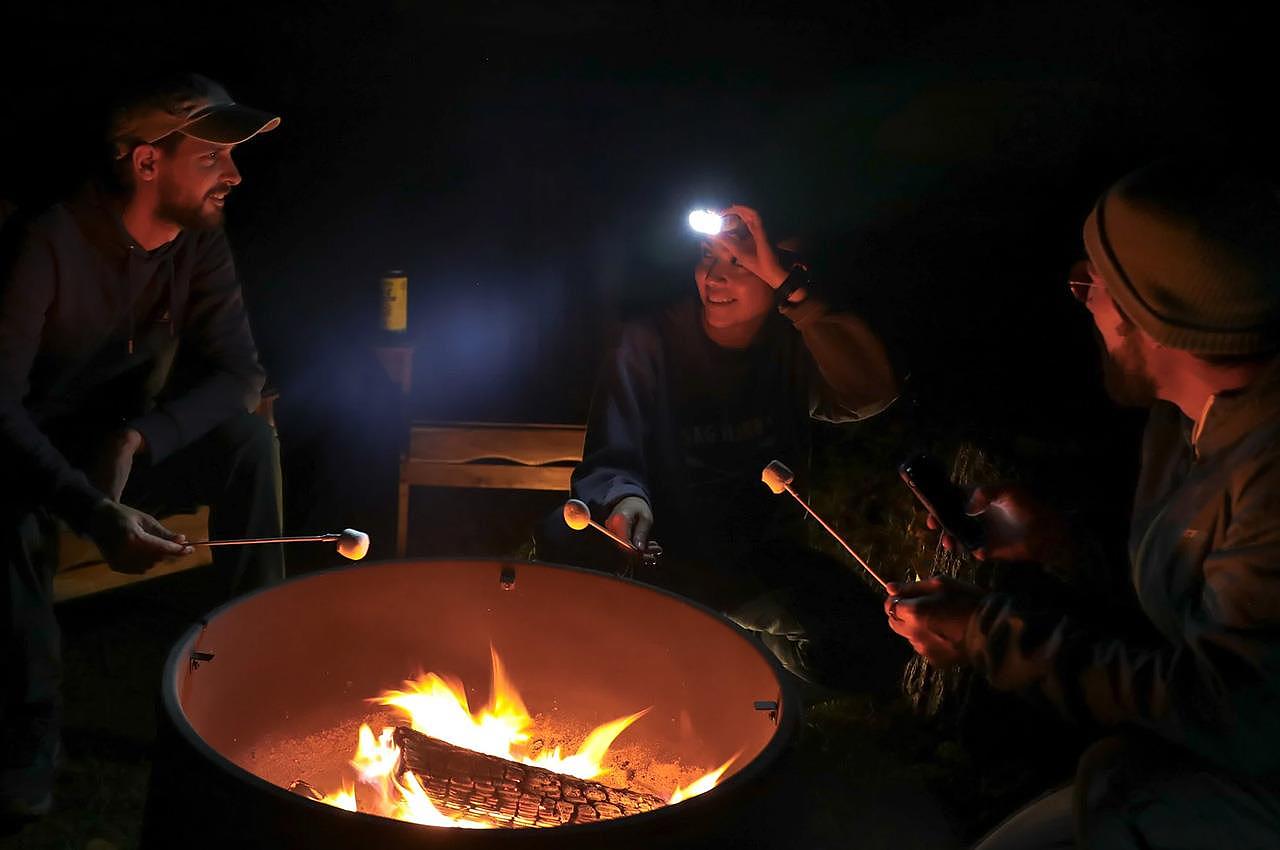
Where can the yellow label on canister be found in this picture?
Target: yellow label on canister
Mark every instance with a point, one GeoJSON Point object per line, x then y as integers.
{"type": "Point", "coordinates": [395, 301]}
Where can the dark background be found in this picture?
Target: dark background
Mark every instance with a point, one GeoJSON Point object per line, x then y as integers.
{"type": "Point", "coordinates": [530, 167]}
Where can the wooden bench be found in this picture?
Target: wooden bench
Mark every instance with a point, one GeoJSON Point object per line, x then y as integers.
{"type": "Point", "coordinates": [487, 455]}
{"type": "Point", "coordinates": [82, 570]}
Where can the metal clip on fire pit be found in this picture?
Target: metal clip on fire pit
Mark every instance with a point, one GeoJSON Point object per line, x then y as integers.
{"type": "Point", "coordinates": [198, 657]}
{"type": "Point", "coordinates": [769, 705]}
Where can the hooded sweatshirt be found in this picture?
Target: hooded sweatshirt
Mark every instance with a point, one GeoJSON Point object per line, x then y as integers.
{"type": "Point", "coordinates": [97, 335]}
{"type": "Point", "coordinates": [687, 425]}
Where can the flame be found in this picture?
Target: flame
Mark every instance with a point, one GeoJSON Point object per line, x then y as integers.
{"type": "Point", "coordinates": [375, 760]}
{"type": "Point", "coordinates": [437, 706]}
{"type": "Point", "coordinates": [344, 799]}
{"type": "Point", "coordinates": [588, 761]}
{"type": "Point", "coordinates": [417, 807]}
{"type": "Point", "coordinates": [702, 784]}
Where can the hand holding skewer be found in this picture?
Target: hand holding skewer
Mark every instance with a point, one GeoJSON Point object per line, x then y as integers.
{"type": "Point", "coordinates": [578, 517]}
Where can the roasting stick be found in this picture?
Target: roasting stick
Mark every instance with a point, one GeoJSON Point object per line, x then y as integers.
{"type": "Point", "coordinates": [778, 477]}
{"type": "Point", "coordinates": [578, 516]}
{"type": "Point", "coordinates": [352, 544]}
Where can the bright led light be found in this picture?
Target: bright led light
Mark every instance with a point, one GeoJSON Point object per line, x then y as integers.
{"type": "Point", "coordinates": [705, 221]}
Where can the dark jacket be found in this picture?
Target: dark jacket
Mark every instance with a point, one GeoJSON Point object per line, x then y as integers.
{"type": "Point", "coordinates": [688, 425]}
{"type": "Point", "coordinates": [1205, 561]}
{"type": "Point", "coordinates": [97, 334]}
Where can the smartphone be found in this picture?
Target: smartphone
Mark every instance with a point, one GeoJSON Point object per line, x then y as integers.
{"type": "Point", "coordinates": [944, 500]}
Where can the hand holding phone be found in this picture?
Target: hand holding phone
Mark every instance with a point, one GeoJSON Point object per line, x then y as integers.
{"type": "Point", "coordinates": [944, 500]}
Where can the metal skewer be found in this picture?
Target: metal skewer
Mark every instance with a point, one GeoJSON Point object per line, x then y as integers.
{"type": "Point", "coordinates": [250, 541]}
{"type": "Point", "coordinates": [778, 477]}
{"type": "Point", "coordinates": [352, 544]}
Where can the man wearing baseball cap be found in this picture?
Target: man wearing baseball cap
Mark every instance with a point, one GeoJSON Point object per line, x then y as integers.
{"type": "Point", "coordinates": [1182, 283]}
{"type": "Point", "coordinates": [128, 374]}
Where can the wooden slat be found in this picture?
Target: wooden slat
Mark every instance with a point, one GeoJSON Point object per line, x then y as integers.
{"type": "Point", "coordinates": [445, 454]}
{"type": "Point", "coordinates": [98, 577]}
{"type": "Point", "coordinates": [82, 571]}
{"type": "Point", "coordinates": [402, 517]}
{"type": "Point", "coordinates": [526, 444]}
{"type": "Point", "coordinates": [421, 473]}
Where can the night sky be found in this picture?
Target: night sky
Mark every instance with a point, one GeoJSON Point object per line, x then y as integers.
{"type": "Point", "coordinates": [530, 167]}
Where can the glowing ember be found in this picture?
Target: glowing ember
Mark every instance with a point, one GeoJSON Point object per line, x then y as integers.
{"type": "Point", "coordinates": [437, 706]}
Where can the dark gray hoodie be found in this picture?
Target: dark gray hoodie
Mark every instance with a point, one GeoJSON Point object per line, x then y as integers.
{"type": "Point", "coordinates": [97, 334]}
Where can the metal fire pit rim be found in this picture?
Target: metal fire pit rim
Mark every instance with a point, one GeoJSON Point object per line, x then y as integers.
{"type": "Point", "coordinates": [788, 714]}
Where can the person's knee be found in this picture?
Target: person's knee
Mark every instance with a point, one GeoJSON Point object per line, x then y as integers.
{"type": "Point", "coordinates": [250, 437]}
{"type": "Point", "coordinates": [1103, 787]}
{"type": "Point", "coordinates": [1135, 792]}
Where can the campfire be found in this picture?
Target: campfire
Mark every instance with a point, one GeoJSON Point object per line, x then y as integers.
{"type": "Point", "coordinates": [287, 715]}
{"type": "Point", "coordinates": [451, 767]}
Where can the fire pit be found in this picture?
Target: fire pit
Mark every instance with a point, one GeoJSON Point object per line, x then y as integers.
{"type": "Point", "coordinates": [264, 701]}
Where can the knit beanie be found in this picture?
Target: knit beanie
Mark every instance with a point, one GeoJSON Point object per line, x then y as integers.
{"type": "Point", "coordinates": [1190, 252]}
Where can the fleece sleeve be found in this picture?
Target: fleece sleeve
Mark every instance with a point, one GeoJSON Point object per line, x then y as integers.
{"type": "Point", "coordinates": [852, 376]}
{"type": "Point", "coordinates": [26, 291]}
{"type": "Point", "coordinates": [614, 460]}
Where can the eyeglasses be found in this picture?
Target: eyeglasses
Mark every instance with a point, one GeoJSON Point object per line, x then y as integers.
{"type": "Point", "coordinates": [1080, 280]}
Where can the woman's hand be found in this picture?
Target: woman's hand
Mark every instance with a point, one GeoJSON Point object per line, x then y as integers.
{"type": "Point", "coordinates": [631, 519]}
{"type": "Point", "coordinates": [754, 252]}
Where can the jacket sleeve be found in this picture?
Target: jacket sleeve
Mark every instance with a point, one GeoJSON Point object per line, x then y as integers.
{"type": "Point", "coordinates": [614, 461]}
{"type": "Point", "coordinates": [215, 336]}
{"type": "Point", "coordinates": [853, 378]}
{"type": "Point", "coordinates": [1216, 692]}
{"type": "Point", "coordinates": [33, 462]}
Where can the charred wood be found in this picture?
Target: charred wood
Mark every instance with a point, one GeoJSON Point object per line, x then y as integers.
{"type": "Point", "coordinates": [507, 793]}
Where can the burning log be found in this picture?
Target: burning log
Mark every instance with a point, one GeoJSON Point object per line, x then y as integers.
{"type": "Point", "coordinates": [507, 793]}
{"type": "Point", "coordinates": [305, 789]}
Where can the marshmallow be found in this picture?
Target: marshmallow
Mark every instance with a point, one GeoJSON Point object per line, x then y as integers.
{"type": "Point", "coordinates": [576, 514]}
{"type": "Point", "coordinates": [777, 476]}
{"type": "Point", "coordinates": [353, 544]}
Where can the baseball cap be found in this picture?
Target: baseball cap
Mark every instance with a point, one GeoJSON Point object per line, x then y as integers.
{"type": "Point", "coordinates": [190, 104]}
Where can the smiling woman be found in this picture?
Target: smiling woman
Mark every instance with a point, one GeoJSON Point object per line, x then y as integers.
{"type": "Point", "coordinates": [695, 401]}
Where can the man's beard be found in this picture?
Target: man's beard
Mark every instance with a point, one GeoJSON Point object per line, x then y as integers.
{"type": "Point", "coordinates": [188, 216]}
{"type": "Point", "coordinates": [1125, 374]}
